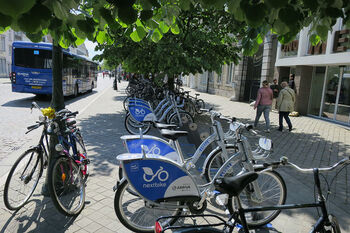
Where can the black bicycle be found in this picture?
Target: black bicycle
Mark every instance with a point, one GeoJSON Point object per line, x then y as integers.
{"type": "Point", "coordinates": [233, 186]}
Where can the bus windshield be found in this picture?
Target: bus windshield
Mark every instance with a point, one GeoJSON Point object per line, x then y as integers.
{"type": "Point", "coordinates": [33, 58]}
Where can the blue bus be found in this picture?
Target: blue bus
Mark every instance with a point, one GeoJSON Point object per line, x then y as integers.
{"type": "Point", "coordinates": [32, 70]}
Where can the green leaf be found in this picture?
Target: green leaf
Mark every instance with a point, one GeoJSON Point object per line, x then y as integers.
{"type": "Point", "coordinates": [138, 34]}
{"type": "Point", "coordinates": [69, 4]}
{"type": "Point", "coordinates": [185, 4]}
{"type": "Point", "coordinates": [2, 30]}
{"type": "Point", "coordinates": [163, 27]}
{"type": "Point", "coordinates": [156, 35]}
{"type": "Point", "coordinates": [315, 39]}
{"type": "Point", "coordinates": [322, 31]}
{"type": "Point", "coordinates": [59, 11]}
{"type": "Point", "coordinates": [152, 24]}
{"type": "Point", "coordinates": [259, 39]}
{"type": "Point", "coordinates": [175, 29]}
{"type": "Point", "coordinates": [101, 37]}
{"type": "Point", "coordinates": [280, 28]}
{"type": "Point", "coordinates": [235, 8]}
{"type": "Point", "coordinates": [79, 41]}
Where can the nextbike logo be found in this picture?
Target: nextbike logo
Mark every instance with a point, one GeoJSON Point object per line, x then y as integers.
{"type": "Point", "coordinates": [228, 166]}
{"type": "Point", "coordinates": [140, 112]}
{"type": "Point", "coordinates": [153, 151]}
{"type": "Point", "coordinates": [149, 176]}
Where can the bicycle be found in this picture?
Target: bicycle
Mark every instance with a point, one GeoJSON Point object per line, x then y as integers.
{"type": "Point", "coordinates": [68, 173]}
{"type": "Point", "coordinates": [152, 197]}
{"type": "Point", "coordinates": [141, 114]}
{"type": "Point", "coordinates": [327, 223]}
{"type": "Point", "coordinates": [28, 168]}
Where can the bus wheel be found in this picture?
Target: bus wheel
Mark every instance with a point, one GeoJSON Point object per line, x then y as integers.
{"type": "Point", "coordinates": [76, 90]}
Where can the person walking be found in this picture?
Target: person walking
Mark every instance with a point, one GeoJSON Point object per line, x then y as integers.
{"type": "Point", "coordinates": [285, 105]}
{"type": "Point", "coordinates": [276, 90]}
{"type": "Point", "coordinates": [263, 104]}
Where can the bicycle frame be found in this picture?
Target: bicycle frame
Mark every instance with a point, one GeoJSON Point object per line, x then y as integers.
{"type": "Point", "coordinates": [321, 203]}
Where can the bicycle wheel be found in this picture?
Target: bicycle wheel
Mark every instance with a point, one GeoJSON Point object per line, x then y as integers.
{"type": "Point", "coordinates": [23, 179]}
{"type": "Point", "coordinates": [216, 161]}
{"type": "Point", "coordinates": [335, 228]}
{"type": "Point", "coordinates": [189, 107]}
{"type": "Point", "coordinates": [81, 152]}
{"type": "Point", "coordinates": [134, 213]}
{"type": "Point", "coordinates": [133, 126]}
{"type": "Point", "coordinates": [274, 192]}
{"type": "Point", "coordinates": [199, 105]}
{"type": "Point", "coordinates": [126, 103]}
{"type": "Point", "coordinates": [66, 186]}
{"type": "Point", "coordinates": [186, 119]}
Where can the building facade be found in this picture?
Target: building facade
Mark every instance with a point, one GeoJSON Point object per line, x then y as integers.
{"type": "Point", "coordinates": [6, 40]}
{"type": "Point", "coordinates": [239, 82]}
{"type": "Point", "coordinates": [322, 73]}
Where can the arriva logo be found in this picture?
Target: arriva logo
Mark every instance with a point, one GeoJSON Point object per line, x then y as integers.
{"type": "Point", "coordinates": [161, 174]}
{"type": "Point", "coordinates": [23, 74]}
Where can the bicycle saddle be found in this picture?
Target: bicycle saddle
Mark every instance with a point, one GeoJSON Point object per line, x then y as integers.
{"type": "Point", "coordinates": [236, 184]}
{"type": "Point", "coordinates": [172, 134]}
{"type": "Point", "coordinates": [164, 126]}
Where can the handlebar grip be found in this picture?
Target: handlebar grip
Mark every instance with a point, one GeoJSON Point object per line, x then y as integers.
{"type": "Point", "coordinates": [33, 126]}
{"type": "Point", "coordinates": [72, 114]}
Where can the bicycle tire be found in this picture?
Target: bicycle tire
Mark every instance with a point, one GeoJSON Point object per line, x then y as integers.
{"type": "Point", "coordinates": [81, 151]}
{"type": "Point", "coordinates": [248, 202]}
{"type": "Point", "coordinates": [36, 157]}
{"type": "Point", "coordinates": [186, 118]}
{"type": "Point", "coordinates": [189, 107]}
{"type": "Point", "coordinates": [132, 126]}
{"type": "Point", "coordinates": [125, 203]}
{"type": "Point", "coordinates": [335, 228]}
{"type": "Point", "coordinates": [65, 169]}
{"type": "Point", "coordinates": [215, 162]}
{"type": "Point", "coordinates": [126, 103]}
{"type": "Point", "coordinates": [199, 104]}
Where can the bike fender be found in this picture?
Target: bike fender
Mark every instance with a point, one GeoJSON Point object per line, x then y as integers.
{"type": "Point", "coordinates": [209, 156]}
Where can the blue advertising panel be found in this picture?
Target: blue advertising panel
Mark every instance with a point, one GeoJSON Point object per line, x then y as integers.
{"type": "Point", "coordinates": [140, 112]}
{"type": "Point", "coordinates": [158, 179]}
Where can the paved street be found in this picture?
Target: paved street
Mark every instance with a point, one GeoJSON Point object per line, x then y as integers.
{"type": "Point", "coordinates": [312, 143]}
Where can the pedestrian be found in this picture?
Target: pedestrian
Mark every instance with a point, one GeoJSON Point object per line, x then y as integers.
{"type": "Point", "coordinates": [263, 104]}
{"type": "Point", "coordinates": [275, 90]}
{"type": "Point", "coordinates": [285, 105]}
{"type": "Point", "coordinates": [291, 82]}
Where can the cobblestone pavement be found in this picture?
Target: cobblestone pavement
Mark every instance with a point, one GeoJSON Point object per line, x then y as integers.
{"type": "Point", "coordinates": [312, 143]}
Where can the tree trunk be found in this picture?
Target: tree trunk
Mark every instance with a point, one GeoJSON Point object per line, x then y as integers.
{"type": "Point", "coordinates": [57, 103]}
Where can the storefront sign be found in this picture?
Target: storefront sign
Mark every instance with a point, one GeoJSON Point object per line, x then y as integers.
{"type": "Point", "coordinates": [320, 48]}
{"type": "Point", "coordinates": [341, 39]}
{"type": "Point", "coordinates": [292, 46]}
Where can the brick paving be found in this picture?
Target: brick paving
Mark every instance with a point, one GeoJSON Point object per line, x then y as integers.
{"type": "Point", "coordinates": [312, 143]}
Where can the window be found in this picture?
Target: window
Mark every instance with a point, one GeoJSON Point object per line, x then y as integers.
{"type": "Point", "coordinates": [2, 43]}
{"type": "Point", "coordinates": [210, 76]}
{"type": "Point", "coordinates": [3, 66]}
{"type": "Point", "coordinates": [10, 50]}
{"type": "Point", "coordinates": [230, 70]}
{"type": "Point", "coordinates": [33, 58]}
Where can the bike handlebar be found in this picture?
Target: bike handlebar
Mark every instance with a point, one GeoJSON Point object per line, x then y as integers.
{"type": "Point", "coordinates": [285, 162]}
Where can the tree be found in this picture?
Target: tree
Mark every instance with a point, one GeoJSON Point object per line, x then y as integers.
{"type": "Point", "coordinates": [202, 40]}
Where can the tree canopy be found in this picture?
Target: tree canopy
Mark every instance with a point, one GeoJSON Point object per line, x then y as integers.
{"type": "Point", "coordinates": [70, 22]}
{"type": "Point", "coordinates": [204, 40]}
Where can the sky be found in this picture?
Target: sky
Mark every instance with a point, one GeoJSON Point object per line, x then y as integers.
{"type": "Point", "coordinates": [91, 48]}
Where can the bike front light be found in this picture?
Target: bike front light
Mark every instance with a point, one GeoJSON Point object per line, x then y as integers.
{"type": "Point", "coordinates": [59, 147]}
